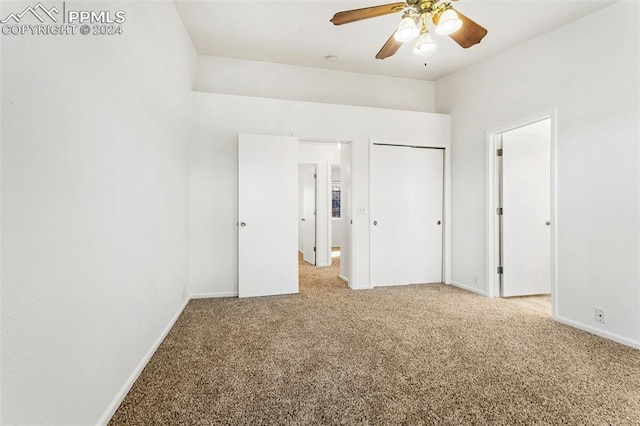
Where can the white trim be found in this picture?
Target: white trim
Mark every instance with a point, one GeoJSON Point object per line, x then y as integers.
{"type": "Point", "coordinates": [469, 288]}
{"type": "Point", "coordinates": [446, 206]}
{"type": "Point", "coordinates": [598, 332]}
{"type": "Point", "coordinates": [371, 143]}
{"type": "Point", "coordinates": [126, 387]}
{"type": "Point", "coordinates": [343, 278]}
{"type": "Point", "coordinates": [323, 265]}
{"type": "Point", "coordinates": [351, 215]}
{"type": "Point", "coordinates": [360, 288]}
{"type": "Point", "coordinates": [491, 203]}
{"type": "Point", "coordinates": [214, 295]}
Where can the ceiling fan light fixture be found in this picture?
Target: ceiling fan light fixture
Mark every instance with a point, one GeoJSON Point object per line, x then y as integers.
{"type": "Point", "coordinates": [448, 22]}
{"type": "Point", "coordinates": [407, 30]}
{"type": "Point", "coordinates": [424, 44]}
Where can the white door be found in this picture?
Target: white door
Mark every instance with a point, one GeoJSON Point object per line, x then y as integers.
{"type": "Point", "coordinates": [526, 203]}
{"type": "Point", "coordinates": [406, 215]}
{"type": "Point", "coordinates": [267, 215]}
{"type": "Point", "coordinates": [309, 214]}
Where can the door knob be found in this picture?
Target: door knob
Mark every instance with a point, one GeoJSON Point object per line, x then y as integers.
{"type": "Point", "coordinates": [375, 222]}
{"type": "Point", "coordinates": [439, 222]}
{"type": "Point", "coordinates": [303, 219]}
{"type": "Point", "coordinates": [243, 224]}
{"type": "Point", "coordinates": [548, 223]}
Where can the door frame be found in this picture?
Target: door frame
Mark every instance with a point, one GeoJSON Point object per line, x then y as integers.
{"type": "Point", "coordinates": [493, 137]}
{"type": "Point", "coordinates": [315, 208]}
{"type": "Point", "coordinates": [446, 202]}
{"type": "Point", "coordinates": [350, 213]}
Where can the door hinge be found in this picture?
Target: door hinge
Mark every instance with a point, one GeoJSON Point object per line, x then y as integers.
{"type": "Point", "coordinates": [500, 270]}
{"type": "Point", "coordinates": [499, 211]}
{"type": "Point", "coordinates": [499, 152]}
{"type": "Point", "coordinates": [314, 248]}
{"type": "Point", "coordinates": [315, 176]}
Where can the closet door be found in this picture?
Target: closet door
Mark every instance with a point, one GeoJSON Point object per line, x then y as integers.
{"type": "Point", "coordinates": [406, 215]}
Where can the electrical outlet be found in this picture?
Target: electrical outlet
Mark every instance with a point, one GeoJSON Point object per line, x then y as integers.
{"type": "Point", "coordinates": [600, 315]}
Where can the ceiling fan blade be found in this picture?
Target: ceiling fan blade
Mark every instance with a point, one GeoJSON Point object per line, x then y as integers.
{"type": "Point", "coordinates": [366, 13]}
{"type": "Point", "coordinates": [471, 33]}
{"type": "Point", "coordinates": [390, 48]}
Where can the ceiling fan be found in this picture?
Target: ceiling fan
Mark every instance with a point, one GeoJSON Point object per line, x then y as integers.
{"type": "Point", "coordinates": [416, 14]}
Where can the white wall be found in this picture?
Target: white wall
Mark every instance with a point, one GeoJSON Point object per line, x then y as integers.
{"type": "Point", "coordinates": [94, 209]}
{"type": "Point", "coordinates": [219, 118]}
{"type": "Point", "coordinates": [591, 76]}
{"type": "Point", "coordinates": [269, 80]}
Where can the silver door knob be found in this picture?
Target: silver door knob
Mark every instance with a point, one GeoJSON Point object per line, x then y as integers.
{"type": "Point", "coordinates": [243, 224]}
{"type": "Point", "coordinates": [375, 222]}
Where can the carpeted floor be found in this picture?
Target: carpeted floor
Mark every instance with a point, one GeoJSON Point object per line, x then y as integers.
{"type": "Point", "coordinates": [540, 302]}
{"type": "Point", "coordinates": [421, 354]}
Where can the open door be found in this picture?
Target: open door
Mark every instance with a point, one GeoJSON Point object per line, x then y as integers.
{"type": "Point", "coordinates": [267, 215]}
{"type": "Point", "coordinates": [526, 210]}
{"type": "Point", "coordinates": [309, 188]}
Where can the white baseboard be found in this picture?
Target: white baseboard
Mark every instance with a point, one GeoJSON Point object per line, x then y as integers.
{"type": "Point", "coordinates": [343, 278]}
{"type": "Point", "coordinates": [323, 265]}
{"type": "Point", "coordinates": [469, 288]}
{"type": "Point", "coordinates": [611, 336]}
{"type": "Point", "coordinates": [361, 288]}
{"type": "Point", "coordinates": [214, 295]}
{"type": "Point", "coordinates": [111, 409]}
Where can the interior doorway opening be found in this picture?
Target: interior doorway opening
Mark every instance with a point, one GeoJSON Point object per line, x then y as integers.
{"type": "Point", "coordinates": [325, 193]}
{"type": "Point", "coordinates": [521, 213]}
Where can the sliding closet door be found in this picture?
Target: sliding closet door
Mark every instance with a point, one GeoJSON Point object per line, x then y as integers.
{"type": "Point", "coordinates": [406, 215]}
{"type": "Point", "coordinates": [267, 215]}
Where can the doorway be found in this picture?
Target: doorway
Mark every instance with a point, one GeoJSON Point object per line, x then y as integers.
{"type": "Point", "coordinates": [329, 163]}
{"type": "Point", "coordinates": [521, 225]}
{"type": "Point", "coordinates": [268, 213]}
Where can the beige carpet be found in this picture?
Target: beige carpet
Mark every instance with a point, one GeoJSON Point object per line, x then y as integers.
{"type": "Point", "coordinates": [422, 354]}
{"type": "Point", "coordinates": [540, 302]}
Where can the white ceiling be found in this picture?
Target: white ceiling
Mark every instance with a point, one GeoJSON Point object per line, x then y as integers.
{"type": "Point", "coordinates": [298, 32]}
